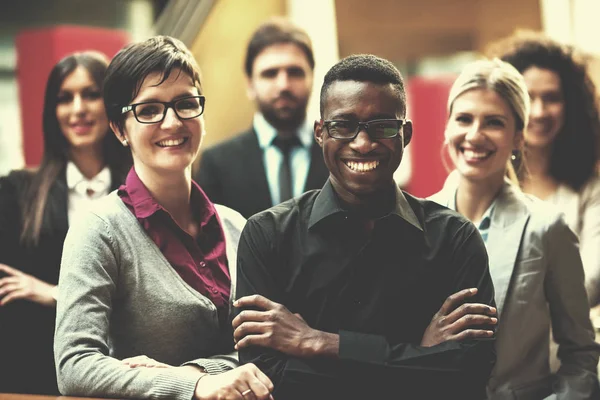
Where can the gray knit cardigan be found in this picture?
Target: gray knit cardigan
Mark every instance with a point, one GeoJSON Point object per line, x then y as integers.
{"type": "Point", "coordinates": [119, 297]}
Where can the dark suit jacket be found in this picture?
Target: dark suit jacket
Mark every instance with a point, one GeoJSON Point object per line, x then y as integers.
{"type": "Point", "coordinates": [233, 174]}
{"type": "Point", "coordinates": [27, 328]}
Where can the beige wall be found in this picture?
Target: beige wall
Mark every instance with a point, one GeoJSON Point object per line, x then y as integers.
{"type": "Point", "coordinates": [220, 49]}
{"type": "Point", "coordinates": [404, 30]}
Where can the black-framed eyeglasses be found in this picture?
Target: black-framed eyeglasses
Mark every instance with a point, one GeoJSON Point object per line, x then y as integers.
{"type": "Point", "coordinates": [376, 129]}
{"type": "Point", "coordinates": [152, 112]}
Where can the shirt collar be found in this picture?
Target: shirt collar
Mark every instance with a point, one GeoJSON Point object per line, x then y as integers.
{"type": "Point", "coordinates": [327, 204]}
{"type": "Point", "coordinates": [266, 133]}
{"type": "Point", "coordinates": [486, 219]}
{"type": "Point", "coordinates": [144, 205]}
{"type": "Point", "coordinates": [78, 182]}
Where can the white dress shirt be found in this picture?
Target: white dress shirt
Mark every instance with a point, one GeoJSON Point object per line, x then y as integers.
{"type": "Point", "coordinates": [272, 157]}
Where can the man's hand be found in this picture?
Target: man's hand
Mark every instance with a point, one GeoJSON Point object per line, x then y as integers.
{"type": "Point", "coordinates": [458, 321]}
{"type": "Point", "coordinates": [18, 285]}
{"type": "Point", "coordinates": [275, 327]}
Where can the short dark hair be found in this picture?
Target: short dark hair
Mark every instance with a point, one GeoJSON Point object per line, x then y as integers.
{"type": "Point", "coordinates": [277, 30]}
{"type": "Point", "coordinates": [364, 68]}
{"type": "Point", "coordinates": [576, 148]}
{"type": "Point", "coordinates": [131, 65]}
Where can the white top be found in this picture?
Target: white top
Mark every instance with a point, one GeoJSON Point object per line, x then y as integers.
{"type": "Point", "coordinates": [582, 213]}
{"type": "Point", "coordinates": [80, 198]}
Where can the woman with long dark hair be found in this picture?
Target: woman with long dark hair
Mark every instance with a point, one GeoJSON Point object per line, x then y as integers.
{"type": "Point", "coordinates": [82, 161]}
{"type": "Point", "coordinates": [562, 138]}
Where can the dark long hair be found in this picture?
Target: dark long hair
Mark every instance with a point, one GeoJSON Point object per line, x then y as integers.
{"type": "Point", "coordinates": [56, 145]}
{"type": "Point", "coordinates": [576, 149]}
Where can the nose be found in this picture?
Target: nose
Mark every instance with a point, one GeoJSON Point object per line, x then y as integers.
{"type": "Point", "coordinates": [363, 143]}
{"type": "Point", "coordinates": [283, 80]}
{"type": "Point", "coordinates": [79, 105]}
{"type": "Point", "coordinates": [473, 132]}
{"type": "Point", "coordinates": [171, 120]}
{"type": "Point", "coordinates": [537, 108]}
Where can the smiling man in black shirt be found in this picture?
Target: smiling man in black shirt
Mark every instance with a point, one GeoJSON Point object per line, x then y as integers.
{"type": "Point", "coordinates": [354, 290]}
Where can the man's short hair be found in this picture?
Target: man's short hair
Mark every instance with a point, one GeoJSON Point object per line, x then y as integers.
{"type": "Point", "coordinates": [364, 68]}
{"type": "Point", "coordinates": [277, 30]}
{"type": "Point", "coordinates": [128, 69]}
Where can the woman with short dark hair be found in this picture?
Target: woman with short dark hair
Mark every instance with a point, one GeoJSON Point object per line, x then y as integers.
{"type": "Point", "coordinates": [148, 276]}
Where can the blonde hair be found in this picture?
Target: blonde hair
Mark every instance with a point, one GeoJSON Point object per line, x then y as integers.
{"type": "Point", "coordinates": [506, 81]}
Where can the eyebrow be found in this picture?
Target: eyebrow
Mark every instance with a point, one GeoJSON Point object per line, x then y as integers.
{"type": "Point", "coordinates": [154, 99]}
{"type": "Point", "coordinates": [67, 90]}
{"type": "Point", "coordinates": [496, 116]}
{"type": "Point", "coordinates": [350, 116]}
{"type": "Point", "coordinates": [485, 116]}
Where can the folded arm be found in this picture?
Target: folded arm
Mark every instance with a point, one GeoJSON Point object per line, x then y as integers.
{"type": "Point", "coordinates": [278, 341]}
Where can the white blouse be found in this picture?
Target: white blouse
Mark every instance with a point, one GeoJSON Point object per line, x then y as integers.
{"type": "Point", "coordinates": [82, 191]}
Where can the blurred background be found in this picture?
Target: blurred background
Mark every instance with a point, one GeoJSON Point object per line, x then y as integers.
{"type": "Point", "coordinates": [429, 41]}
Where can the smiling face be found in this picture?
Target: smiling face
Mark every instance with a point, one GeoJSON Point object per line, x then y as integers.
{"type": "Point", "coordinates": [280, 84]}
{"type": "Point", "coordinates": [169, 146]}
{"type": "Point", "coordinates": [547, 115]}
{"type": "Point", "coordinates": [361, 167]}
{"type": "Point", "coordinates": [481, 135]}
{"type": "Point", "coordinates": [80, 111]}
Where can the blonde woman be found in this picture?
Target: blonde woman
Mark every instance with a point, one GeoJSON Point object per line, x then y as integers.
{"type": "Point", "coordinates": [533, 254]}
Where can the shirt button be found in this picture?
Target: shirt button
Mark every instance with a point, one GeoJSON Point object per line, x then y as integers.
{"type": "Point", "coordinates": [202, 264]}
{"type": "Point", "coordinates": [215, 291]}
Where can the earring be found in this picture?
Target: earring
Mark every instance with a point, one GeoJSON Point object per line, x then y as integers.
{"type": "Point", "coordinates": [514, 155]}
{"type": "Point", "coordinates": [124, 142]}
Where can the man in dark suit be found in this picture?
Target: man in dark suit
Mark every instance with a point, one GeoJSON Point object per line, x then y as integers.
{"type": "Point", "coordinates": [277, 158]}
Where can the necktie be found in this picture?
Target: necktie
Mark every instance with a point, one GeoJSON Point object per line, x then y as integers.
{"type": "Point", "coordinates": [285, 145]}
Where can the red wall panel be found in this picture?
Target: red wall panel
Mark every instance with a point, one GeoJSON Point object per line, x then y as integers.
{"type": "Point", "coordinates": [38, 50]}
{"type": "Point", "coordinates": [427, 99]}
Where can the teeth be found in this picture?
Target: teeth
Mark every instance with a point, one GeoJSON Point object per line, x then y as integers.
{"type": "Point", "coordinates": [170, 142]}
{"type": "Point", "coordinates": [362, 166]}
{"type": "Point", "coordinates": [475, 154]}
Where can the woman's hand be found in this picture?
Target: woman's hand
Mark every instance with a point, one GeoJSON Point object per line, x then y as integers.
{"type": "Point", "coordinates": [18, 285]}
{"type": "Point", "coordinates": [144, 361]}
{"type": "Point", "coordinates": [246, 382]}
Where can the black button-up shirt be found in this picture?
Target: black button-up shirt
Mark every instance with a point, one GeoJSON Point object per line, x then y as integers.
{"type": "Point", "coordinates": [378, 292]}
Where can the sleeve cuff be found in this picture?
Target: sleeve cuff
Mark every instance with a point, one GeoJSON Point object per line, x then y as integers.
{"type": "Point", "coordinates": [211, 367]}
{"type": "Point", "coordinates": [363, 347]}
{"type": "Point", "coordinates": [171, 386]}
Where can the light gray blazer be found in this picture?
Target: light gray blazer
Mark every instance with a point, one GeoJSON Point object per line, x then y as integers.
{"type": "Point", "coordinates": [538, 278]}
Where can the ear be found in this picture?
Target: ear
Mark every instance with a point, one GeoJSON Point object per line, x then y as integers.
{"type": "Point", "coordinates": [118, 133]}
{"type": "Point", "coordinates": [408, 131]}
{"type": "Point", "coordinates": [318, 128]}
{"type": "Point", "coordinates": [250, 92]}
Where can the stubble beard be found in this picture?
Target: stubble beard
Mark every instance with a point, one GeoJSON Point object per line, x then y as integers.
{"type": "Point", "coordinates": [288, 119]}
